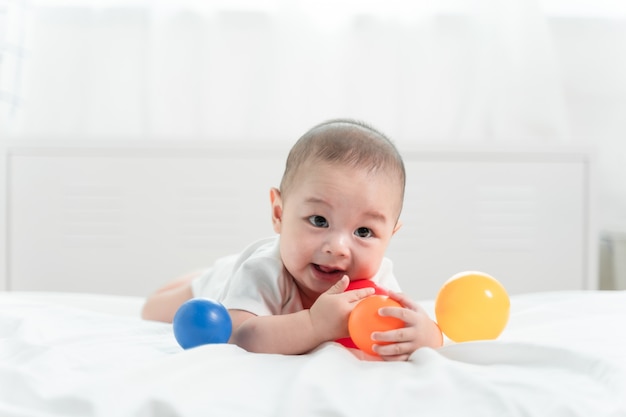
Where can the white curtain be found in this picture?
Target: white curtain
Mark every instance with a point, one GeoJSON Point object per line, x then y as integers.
{"type": "Point", "coordinates": [478, 71]}
{"type": "Point", "coordinates": [430, 71]}
{"type": "Point", "coordinates": [12, 31]}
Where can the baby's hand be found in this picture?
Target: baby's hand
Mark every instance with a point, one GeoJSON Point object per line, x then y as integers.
{"type": "Point", "coordinates": [330, 312]}
{"type": "Point", "coordinates": [420, 330]}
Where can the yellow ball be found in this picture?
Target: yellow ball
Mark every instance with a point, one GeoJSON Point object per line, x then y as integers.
{"type": "Point", "coordinates": [472, 306]}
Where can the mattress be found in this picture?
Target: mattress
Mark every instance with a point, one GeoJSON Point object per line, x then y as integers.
{"type": "Point", "coordinates": [64, 354]}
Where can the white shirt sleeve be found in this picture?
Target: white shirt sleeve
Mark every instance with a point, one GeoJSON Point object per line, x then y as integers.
{"type": "Point", "coordinates": [385, 278]}
{"type": "Point", "coordinates": [254, 287]}
{"type": "Point", "coordinates": [253, 281]}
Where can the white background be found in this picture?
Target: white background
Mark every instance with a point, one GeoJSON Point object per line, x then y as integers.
{"type": "Point", "coordinates": [474, 73]}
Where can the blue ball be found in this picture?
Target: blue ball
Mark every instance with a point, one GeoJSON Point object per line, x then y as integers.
{"type": "Point", "coordinates": [201, 321]}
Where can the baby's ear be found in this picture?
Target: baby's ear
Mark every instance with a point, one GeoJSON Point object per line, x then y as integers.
{"type": "Point", "coordinates": [397, 226]}
{"type": "Point", "coordinates": [277, 209]}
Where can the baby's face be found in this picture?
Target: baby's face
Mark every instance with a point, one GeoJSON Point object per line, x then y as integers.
{"type": "Point", "coordinates": [335, 221]}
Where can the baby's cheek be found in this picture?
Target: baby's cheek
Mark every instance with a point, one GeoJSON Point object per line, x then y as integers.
{"type": "Point", "coordinates": [367, 271]}
{"type": "Point", "coordinates": [291, 265]}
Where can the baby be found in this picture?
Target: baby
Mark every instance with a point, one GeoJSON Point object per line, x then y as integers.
{"type": "Point", "coordinates": [337, 207]}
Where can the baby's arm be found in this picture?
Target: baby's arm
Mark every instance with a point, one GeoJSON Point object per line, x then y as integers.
{"type": "Point", "coordinates": [420, 330]}
{"type": "Point", "coordinates": [302, 331]}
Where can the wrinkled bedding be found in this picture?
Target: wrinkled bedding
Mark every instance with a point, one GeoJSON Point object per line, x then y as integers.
{"type": "Point", "coordinates": [562, 354]}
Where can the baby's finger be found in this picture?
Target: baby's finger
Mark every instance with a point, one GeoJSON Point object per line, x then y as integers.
{"type": "Point", "coordinates": [393, 351]}
{"type": "Point", "coordinates": [404, 300]}
{"type": "Point", "coordinates": [404, 314]}
{"type": "Point", "coordinates": [403, 334]}
{"type": "Point", "coordinates": [340, 286]}
{"type": "Point", "coordinates": [358, 295]}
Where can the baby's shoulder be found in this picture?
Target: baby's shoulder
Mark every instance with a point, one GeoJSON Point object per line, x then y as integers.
{"type": "Point", "coordinates": [260, 257]}
{"type": "Point", "coordinates": [267, 248]}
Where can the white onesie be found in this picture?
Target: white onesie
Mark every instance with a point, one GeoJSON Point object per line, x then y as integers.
{"type": "Point", "coordinates": [255, 281]}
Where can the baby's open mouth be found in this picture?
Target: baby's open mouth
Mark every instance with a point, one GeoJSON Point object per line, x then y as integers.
{"type": "Point", "coordinates": [327, 269]}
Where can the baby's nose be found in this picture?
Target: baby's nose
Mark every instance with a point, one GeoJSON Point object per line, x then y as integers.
{"type": "Point", "coordinates": [337, 244]}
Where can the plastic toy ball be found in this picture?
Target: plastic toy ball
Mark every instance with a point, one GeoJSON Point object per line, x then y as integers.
{"type": "Point", "coordinates": [355, 285]}
{"type": "Point", "coordinates": [201, 321]}
{"type": "Point", "coordinates": [365, 283]}
{"type": "Point", "coordinates": [472, 306]}
{"type": "Point", "coordinates": [364, 320]}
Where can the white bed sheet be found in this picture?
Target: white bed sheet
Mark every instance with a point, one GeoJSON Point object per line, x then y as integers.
{"type": "Point", "coordinates": [562, 354]}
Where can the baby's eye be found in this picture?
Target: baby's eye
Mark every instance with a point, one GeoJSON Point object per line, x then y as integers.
{"type": "Point", "coordinates": [318, 221]}
{"type": "Point", "coordinates": [363, 232]}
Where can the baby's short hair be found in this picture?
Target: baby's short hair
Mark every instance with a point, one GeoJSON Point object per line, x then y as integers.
{"type": "Point", "coordinates": [346, 142]}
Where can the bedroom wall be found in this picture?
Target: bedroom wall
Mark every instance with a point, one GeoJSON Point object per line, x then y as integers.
{"type": "Point", "coordinates": [507, 73]}
{"type": "Point", "coordinates": [592, 55]}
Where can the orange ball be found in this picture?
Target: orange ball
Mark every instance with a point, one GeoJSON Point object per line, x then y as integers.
{"type": "Point", "coordinates": [472, 306]}
{"type": "Point", "coordinates": [355, 285]}
{"type": "Point", "coordinates": [364, 320]}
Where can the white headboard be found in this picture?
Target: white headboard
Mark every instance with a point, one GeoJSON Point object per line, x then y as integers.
{"type": "Point", "coordinates": [125, 219]}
